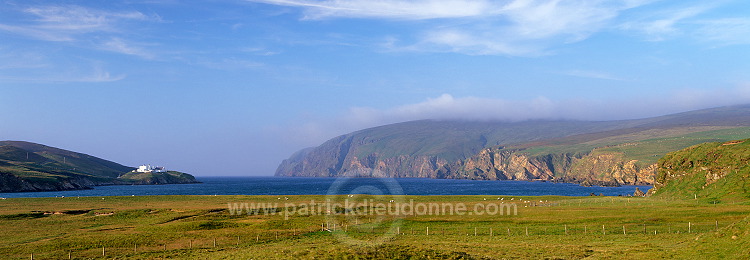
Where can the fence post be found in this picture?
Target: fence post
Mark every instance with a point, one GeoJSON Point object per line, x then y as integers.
{"type": "Point", "coordinates": [690, 228]}
{"type": "Point", "coordinates": [104, 252]}
{"type": "Point", "coordinates": [428, 231]}
{"type": "Point", "coordinates": [490, 231]}
{"type": "Point", "coordinates": [604, 231]}
{"type": "Point", "coordinates": [623, 230]}
{"type": "Point", "coordinates": [475, 231]}
{"type": "Point", "coordinates": [527, 231]}
{"type": "Point", "coordinates": [566, 230]}
{"type": "Point", "coordinates": [717, 225]}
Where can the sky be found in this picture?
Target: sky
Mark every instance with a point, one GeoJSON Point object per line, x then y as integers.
{"type": "Point", "coordinates": [232, 87]}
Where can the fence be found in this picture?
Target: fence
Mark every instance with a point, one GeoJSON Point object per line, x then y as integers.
{"type": "Point", "coordinates": [515, 231]}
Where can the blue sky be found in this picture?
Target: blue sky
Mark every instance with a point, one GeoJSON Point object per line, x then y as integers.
{"type": "Point", "coordinates": [231, 87]}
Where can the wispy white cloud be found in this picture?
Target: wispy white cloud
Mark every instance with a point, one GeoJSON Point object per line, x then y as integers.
{"type": "Point", "coordinates": [231, 64]}
{"type": "Point", "coordinates": [665, 24]}
{"type": "Point", "coordinates": [79, 25]}
{"type": "Point", "coordinates": [67, 23]}
{"type": "Point", "coordinates": [260, 51]}
{"type": "Point", "coordinates": [391, 9]}
{"type": "Point", "coordinates": [119, 45]}
{"type": "Point", "coordinates": [697, 22]}
{"type": "Point", "coordinates": [21, 59]}
{"type": "Point", "coordinates": [592, 74]}
{"type": "Point", "coordinates": [96, 76]}
{"type": "Point", "coordinates": [527, 27]}
{"type": "Point", "coordinates": [99, 75]}
{"type": "Point", "coordinates": [38, 68]}
{"type": "Point", "coordinates": [518, 28]}
{"type": "Point", "coordinates": [722, 32]}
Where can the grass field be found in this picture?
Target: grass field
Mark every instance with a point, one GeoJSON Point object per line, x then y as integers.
{"type": "Point", "coordinates": [551, 227]}
{"type": "Point", "coordinates": [645, 146]}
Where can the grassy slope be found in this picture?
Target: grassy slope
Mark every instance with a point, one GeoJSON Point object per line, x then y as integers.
{"type": "Point", "coordinates": [35, 162]}
{"type": "Point", "coordinates": [177, 221]}
{"type": "Point", "coordinates": [716, 172]}
{"type": "Point", "coordinates": [49, 159]}
{"type": "Point", "coordinates": [455, 140]}
{"type": "Point", "coordinates": [639, 145]}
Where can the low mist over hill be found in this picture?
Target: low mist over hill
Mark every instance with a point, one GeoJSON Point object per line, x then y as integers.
{"type": "Point", "coordinates": [587, 152]}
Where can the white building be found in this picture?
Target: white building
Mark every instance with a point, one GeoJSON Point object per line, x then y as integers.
{"type": "Point", "coordinates": [149, 168]}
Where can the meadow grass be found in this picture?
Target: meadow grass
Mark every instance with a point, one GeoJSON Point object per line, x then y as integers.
{"type": "Point", "coordinates": [545, 227]}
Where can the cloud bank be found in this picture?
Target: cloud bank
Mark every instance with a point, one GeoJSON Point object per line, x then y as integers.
{"type": "Point", "coordinates": [447, 107]}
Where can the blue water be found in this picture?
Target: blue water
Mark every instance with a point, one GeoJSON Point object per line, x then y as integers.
{"type": "Point", "coordinates": [322, 186]}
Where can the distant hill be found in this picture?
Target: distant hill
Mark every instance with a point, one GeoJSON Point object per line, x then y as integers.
{"type": "Point", "coordinates": [713, 172]}
{"type": "Point", "coordinates": [26, 166]}
{"type": "Point", "coordinates": [587, 152]}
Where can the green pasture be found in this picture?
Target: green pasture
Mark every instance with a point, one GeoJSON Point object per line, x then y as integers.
{"type": "Point", "coordinates": [293, 227]}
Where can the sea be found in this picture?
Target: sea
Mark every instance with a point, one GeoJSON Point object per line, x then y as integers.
{"type": "Point", "coordinates": [324, 186]}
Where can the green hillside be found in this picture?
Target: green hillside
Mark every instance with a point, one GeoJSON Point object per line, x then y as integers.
{"type": "Point", "coordinates": [594, 152]}
{"type": "Point", "coordinates": [26, 166]}
{"type": "Point", "coordinates": [712, 172]}
{"type": "Point", "coordinates": [455, 140]}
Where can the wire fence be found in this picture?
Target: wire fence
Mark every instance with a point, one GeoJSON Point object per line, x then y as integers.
{"type": "Point", "coordinates": [436, 232]}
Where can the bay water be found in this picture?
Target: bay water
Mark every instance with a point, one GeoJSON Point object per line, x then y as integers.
{"type": "Point", "coordinates": [323, 186]}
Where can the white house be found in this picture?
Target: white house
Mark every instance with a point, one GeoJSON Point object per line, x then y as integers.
{"type": "Point", "coordinates": [149, 168]}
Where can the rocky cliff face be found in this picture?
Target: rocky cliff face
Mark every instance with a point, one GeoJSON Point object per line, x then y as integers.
{"type": "Point", "coordinates": [587, 169]}
{"type": "Point", "coordinates": [564, 151]}
{"type": "Point", "coordinates": [423, 148]}
{"type": "Point", "coordinates": [11, 183]}
{"type": "Point", "coordinates": [608, 169]}
{"type": "Point", "coordinates": [340, 155]}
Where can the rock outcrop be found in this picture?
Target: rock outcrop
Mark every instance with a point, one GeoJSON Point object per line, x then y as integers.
{"type": "Point", "coordinates": [11, 183]}
{"type": "Point", "coordinates": [714, 171]}
{"type": "Point", "coordinates": [492, 164]}
{"type": "Point", "coordinates": [608, 153]}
